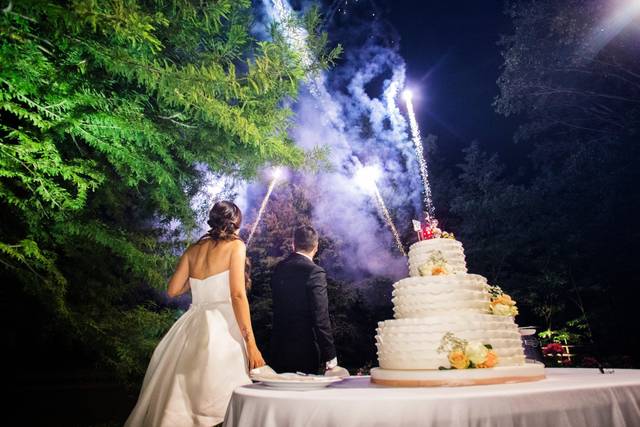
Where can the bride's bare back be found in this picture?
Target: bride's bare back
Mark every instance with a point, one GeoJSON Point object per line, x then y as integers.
{"type": "Point", "coordinates": [204, 259]}
{"type": "Point", "coordinates": [209, 258]}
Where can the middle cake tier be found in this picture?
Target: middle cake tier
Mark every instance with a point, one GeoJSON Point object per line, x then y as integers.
{"type": "Point", "coordinates": [416, 297]}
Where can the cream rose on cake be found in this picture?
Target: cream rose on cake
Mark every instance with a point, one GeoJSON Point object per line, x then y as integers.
{"type": "Point", "coordinates": [501, 303]}
{"type": "Point", "coordinates": [501, 310]}
{"type": "Point", "coordinates": [463, 354]}
{"type": "Point", "coordinates": [435, 266]}
{"type": "Point", "coordinates": [476, 352]}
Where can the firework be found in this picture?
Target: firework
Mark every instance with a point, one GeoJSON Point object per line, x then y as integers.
{"type": "Point", "coordinates": [366, 177]}
{"type": "Point", "coordinates": [417, 142]}
{"type": "Point", "coordinates": [296, 37]}
{"type": "Point", "coordinates": [274, 180]}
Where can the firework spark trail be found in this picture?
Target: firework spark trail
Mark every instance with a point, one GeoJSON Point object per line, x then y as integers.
{"type": "Point", "coordinates": [385, 213]}
{"type": "Point", "coordinates": [296, 36]}
{"type": "Point", "coordinates": [280, 12]}
{"type": "Point", "coordinates": [263, 206]}
{"type": "Point", "coordinates": [366, 178]}
{"type": "Point", "coordinates": [417, 142]}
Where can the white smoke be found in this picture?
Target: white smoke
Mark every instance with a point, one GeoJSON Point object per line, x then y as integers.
{"type": "Point", "coordinates": [338, 111]}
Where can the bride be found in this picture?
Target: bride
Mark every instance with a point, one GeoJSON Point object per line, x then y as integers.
{"type": "Point", "coordinates": [209, 350]}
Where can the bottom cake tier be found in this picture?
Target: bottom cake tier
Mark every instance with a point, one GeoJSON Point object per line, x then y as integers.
{"type": "Point", "coordinates": [458, 377]}
{"type": "Point", "coordinates": [413, 343]}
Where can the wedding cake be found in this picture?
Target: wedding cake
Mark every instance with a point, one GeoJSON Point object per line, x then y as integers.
{"type": "Point", "coordinates": [450, 327]}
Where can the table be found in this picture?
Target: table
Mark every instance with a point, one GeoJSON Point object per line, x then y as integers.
{"type": "Point", "coordinates": [566, 398]}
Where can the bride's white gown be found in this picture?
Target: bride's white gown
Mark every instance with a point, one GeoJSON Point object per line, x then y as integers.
{"type": "Point", "coordinates": [197, 364]}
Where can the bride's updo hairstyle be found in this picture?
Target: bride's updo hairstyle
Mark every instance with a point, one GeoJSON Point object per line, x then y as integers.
{"type": "Point", "coordinates": [225, 219]}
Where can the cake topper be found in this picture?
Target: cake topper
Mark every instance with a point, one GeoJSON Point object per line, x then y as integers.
{"type": "Point", "coordinates": [430, 230]}
{"type": "Point", "coordinates": [417, 227]}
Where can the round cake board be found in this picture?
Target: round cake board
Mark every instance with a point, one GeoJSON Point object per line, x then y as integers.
{"type": "Point", "coordinates": [458, 377]}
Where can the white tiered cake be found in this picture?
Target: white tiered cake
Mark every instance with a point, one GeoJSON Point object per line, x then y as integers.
{"type": "Point", "coordinates": [441, 299]}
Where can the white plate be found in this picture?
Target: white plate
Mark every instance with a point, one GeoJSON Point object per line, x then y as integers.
{"type": "Point", "coordinates": [290, 381]}
{"type": "Point", "coordinates": [294, 384]}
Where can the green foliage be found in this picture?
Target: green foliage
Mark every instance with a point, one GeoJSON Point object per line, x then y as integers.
{"type": "Point", "coordinates": [141, 325]}
{"type": "Point", "coordinates": [109, 112]}
{"type": "Point", "coordinates": [317, 43]}
{"type": "Point", "coordinates": [562, 336]}
{"type": "Point", "coordinates": [555, 77]}
{"type": "Point", "coordinates": [574, 331]}
{"type": "Point", "coordinates": [492, 209]}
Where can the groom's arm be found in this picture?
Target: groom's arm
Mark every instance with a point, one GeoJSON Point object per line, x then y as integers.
{"type": "Point", "coordinates": [319, 304]}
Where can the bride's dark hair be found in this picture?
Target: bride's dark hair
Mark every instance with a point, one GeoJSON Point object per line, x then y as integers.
{"type": "Point", "coordinates": [225, 219]}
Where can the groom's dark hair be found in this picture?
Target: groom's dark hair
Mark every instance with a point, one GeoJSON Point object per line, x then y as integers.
{"type": "Point", "coordinates": [305, 238]}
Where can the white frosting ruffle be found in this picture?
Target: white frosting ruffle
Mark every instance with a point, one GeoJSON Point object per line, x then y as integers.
{"type": "Point", "coordinates": [413, 343]}
{"type": "Point", "coordinates": [420, 252]}
{"type": "Point", "coordinates": [433, 295]}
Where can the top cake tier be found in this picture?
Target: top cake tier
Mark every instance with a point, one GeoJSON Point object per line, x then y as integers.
{"type": "Point", "coordinates": [437, 253]}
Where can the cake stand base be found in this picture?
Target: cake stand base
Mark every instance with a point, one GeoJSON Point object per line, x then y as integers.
{"type": "Point", "coordinates": [458, 377]}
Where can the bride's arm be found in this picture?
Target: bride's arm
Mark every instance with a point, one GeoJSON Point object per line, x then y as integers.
{"type": "Point", "coordinates": [241, 303]}
{"type": "Point", "coordinates": [179, 282]}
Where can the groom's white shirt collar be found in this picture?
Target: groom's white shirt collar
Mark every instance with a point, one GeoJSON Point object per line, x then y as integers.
{"type": "Point", "coordinates": [306, 256]}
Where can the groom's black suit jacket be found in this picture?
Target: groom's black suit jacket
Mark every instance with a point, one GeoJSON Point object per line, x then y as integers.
{"type": "Point", "coordinates": [302, 339]}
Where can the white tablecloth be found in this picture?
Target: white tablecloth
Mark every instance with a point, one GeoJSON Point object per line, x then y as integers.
{"type": "Point", "coordinates": [566, 398]}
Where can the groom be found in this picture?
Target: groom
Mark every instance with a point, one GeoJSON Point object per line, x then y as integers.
{"type": "Point", "coordinates": [301, 339]}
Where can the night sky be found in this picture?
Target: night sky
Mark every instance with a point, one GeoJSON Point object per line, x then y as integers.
{"type": "Point", "coordinates": [453, 62]}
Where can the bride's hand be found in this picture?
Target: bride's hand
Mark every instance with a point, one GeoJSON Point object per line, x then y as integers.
{"type": "Point", "coordinates": [255, 357]}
